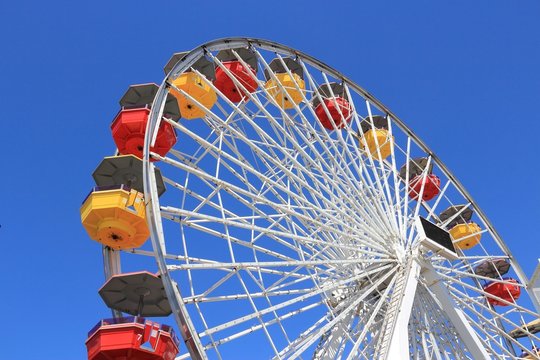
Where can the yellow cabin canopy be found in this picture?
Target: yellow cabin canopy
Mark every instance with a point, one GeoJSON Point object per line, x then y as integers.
{"type": "Point", "coordinates": [469, 233]}
{"type": "Point", "coordinates": [115, 216]}
{"type": "Point", "coordinates": [196, 87]}
{"type": "Point", "coordinates": [285, 82]}
{"type": "Point", "coordinates": [377, 141]}
{"type": "Point", "coordinates": [289, 93]}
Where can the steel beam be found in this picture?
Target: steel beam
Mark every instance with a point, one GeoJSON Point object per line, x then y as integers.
{"type": "Point", "coordinates": [455, 315]}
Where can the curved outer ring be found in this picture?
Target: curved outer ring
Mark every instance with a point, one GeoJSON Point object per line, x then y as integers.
{"type": "Point", "coordinates": [150, 189]}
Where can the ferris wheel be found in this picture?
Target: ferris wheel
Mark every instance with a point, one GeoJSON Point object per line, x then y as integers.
{"type": "Point", "coordinates": [303, 219]}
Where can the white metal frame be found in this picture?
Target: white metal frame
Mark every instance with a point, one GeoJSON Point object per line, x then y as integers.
{"type": "Point", "coordinates": [534, 286]}
{"type": "Point", "coordinates": [366, 226]}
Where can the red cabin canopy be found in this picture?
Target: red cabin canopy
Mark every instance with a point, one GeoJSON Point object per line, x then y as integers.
{"type": "Point", "coordinates": [129, 127]}
{"type": "Point", "coordinates": [331, 106]}
{"type": "Point", "coordinates": [431, 183]}
{"type": "Point", "coordinates": [131, 338]}
{"type": "Point", "coordinates": [508, 291]}
{"type": "Point", "coordinates": [339, 110]}
{"type": "Point", "coordinates": [244, 75]}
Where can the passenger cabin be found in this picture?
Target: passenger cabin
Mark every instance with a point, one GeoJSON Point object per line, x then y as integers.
{"type": "Point", "coordinates": [285, 82]}
{"type": "Point", "coordinates": [243, 74]}
{"type": "Point", "coordinates": [192, 88]}
{"type": "Point", "coordinates": [506, 291]}
{"type": "Point", "coordinates": [465, 233]}
{"type": "Point", "coordinates": [131, 338]}
{"type": "Point", "coordinates": [128, 130]}
{"type": "Point", "coordinates": [129, 126]}
{"type": "Point", "coordinates": [331, 105]}
{"type": "Point", "coordinates": [421, 179]}
{"type": "Point", "coordinates": [115, 216]}
{"type": "Point", "coordinates": [375, 137]}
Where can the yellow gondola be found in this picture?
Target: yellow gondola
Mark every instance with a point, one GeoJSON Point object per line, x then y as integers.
{"type": "Point", "coordinates": [116, 217]}
{"type": "Point", "coordinates": [287, 89]}
{"type": "Point", "coordinates": [378, 141]}
{"type": "Point", "coordinates": [469, 232]}
{"type": "Point", "coordinates": [195, 85]}
{"type": "Point", "coordinates": [290, 95]}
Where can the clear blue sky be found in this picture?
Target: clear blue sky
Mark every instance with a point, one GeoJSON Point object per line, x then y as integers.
{"type": "Point", "coordinates": [464, 75]}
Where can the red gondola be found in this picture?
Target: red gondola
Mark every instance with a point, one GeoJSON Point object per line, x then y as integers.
{"type": "Point", "coordinates": [227, 86]}
{"type": "Point", "coordinates": [334, 106]}
{"type": "Point", "coordinates": [509, 291]}
{"type": "Point", "coordinates": [431, 183]}
{"type": "Point", "coordinates": [131, 338]}
{"type": "Point", "coordinates": [244, 72]}
{"type": "Point", "coordinates": [334, 99]}
{"type": "Point", "coordinates": [129, 127]}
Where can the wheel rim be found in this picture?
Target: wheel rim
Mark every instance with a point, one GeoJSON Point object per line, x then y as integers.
{"type": "Point", "coordinates": [275, 219]}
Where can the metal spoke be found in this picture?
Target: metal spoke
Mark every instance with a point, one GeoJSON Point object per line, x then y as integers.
{"type": "Point", "coordinates": [293, 233]}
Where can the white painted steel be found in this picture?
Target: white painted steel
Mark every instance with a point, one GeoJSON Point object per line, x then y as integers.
{"type": "Point", "coordinates": [398, 337]}
{"type": "Point", "coordinates": [534, 286]}
{"type": "Point", "coordinates": [111, 266]}
{"type": "Point", "coordinates": [279, 234]}
{"type": "Point", "coordinates": [456, 316]}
